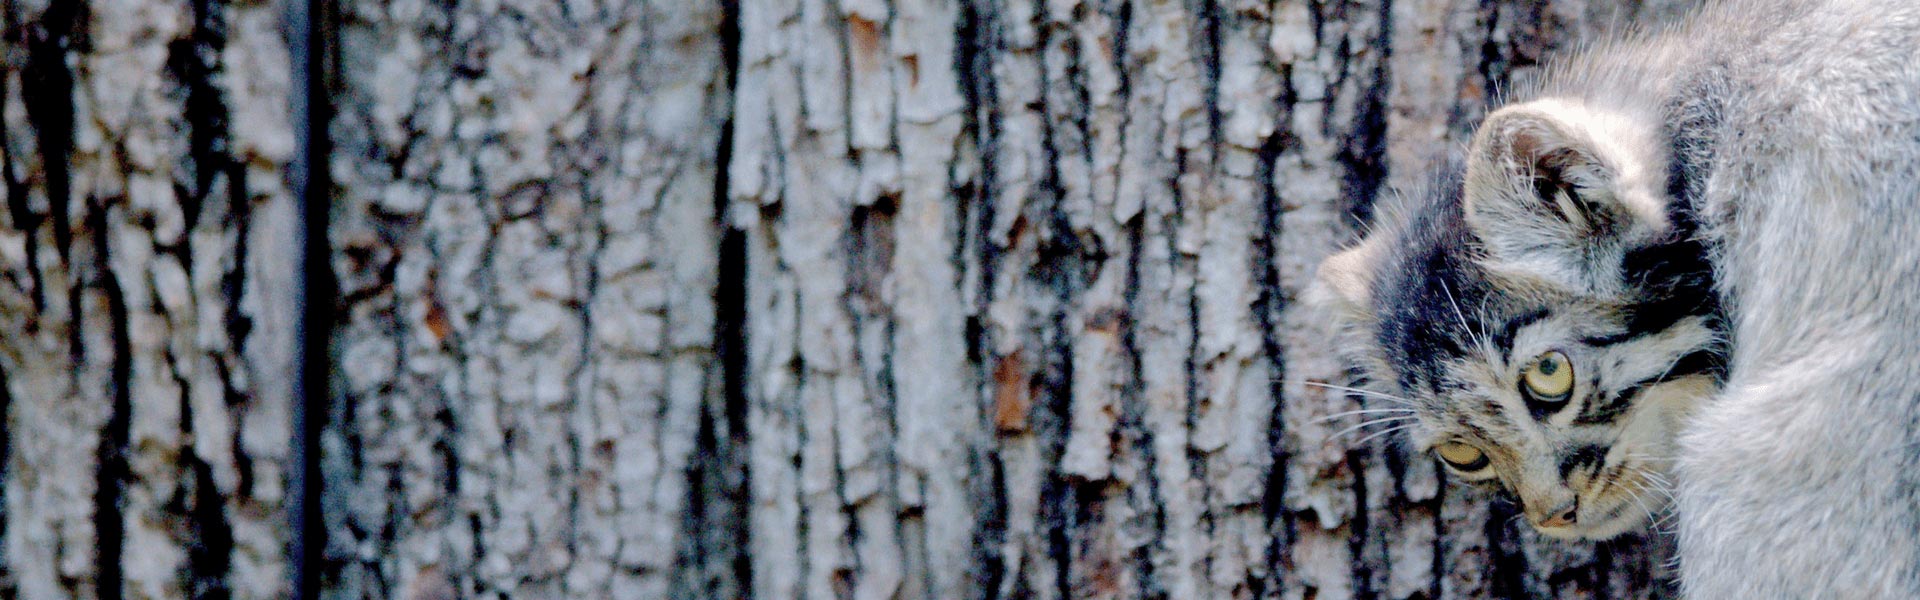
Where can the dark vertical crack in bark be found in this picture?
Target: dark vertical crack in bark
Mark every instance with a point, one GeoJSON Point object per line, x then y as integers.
{"type": "Point", "coordinates": [1360, 530]}
{"type": "Point", "coordinates": [1270, 304]}
{"type": "Point", "coordinates": [7, 583]}
{"type": "Point", "coordinates": [308, 49]}
{"type": "Point", "coordinates": [712, 528]}
{"type": "Point", "coordinates": [1363, 155]}
{"type": "Point", "coordinates": [1054, 421]}
{"type": "Point", "coordinates": [195, 62]}
{"type": "Point", "coordinates": [18, 188]}
{"type": "Point", "coordinates": [1131, 429]}
{"type": "Point", "coordinates": [60, 32]}
{"type": "Point", "coordinates": [696, 523]}
{"type": "Point", "coordinates": [25, 221]}
{"type": "Point", "coordinates": [1191, 361]}
{"type": "Point", "coordinates": [979, 38]}
{"type": "Point", "coordinates": [1491, 65]}
{"type": "Point", "coordinates": [869, 239]}
{"type": "Point", "coordinates": [730, 343]}
{"type": "Point", "coordinates": [1058, 268]}
{"type": "Point", "coordinates": [110, 490]}
{"type": "Point", "coordinates": [210, 556]}
{"type": "Point", "coordinates": [727, 454]}
{"type": "Point", "coordinates": [209, 537]}
{"type": "Point", "coordinates": [1211, 16]}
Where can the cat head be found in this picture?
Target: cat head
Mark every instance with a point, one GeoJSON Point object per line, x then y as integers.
{"type": "Point", "coordinates": [1544, 313]}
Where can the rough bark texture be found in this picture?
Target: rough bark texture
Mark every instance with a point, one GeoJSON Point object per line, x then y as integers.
{"type": "Point", "coordinates": [527, 246]}
{"type": "Point", "coordinates": [145, 298]}
{"type": "Point", "coordinates": [910, 299]}
{"type": "Point", "coordinates": [720, 299]}
{"type": "Point", "coordinates": [1020, 294]}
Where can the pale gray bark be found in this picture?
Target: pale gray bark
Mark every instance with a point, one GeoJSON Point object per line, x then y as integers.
{"type": "Point", "coordinates": [527, 245]}
{"type": "Point", "coordinates": [1064, 287]}
{"type": "Point", "coordinates": [715, 299]}
{"type": "Point", "coordinates": [145, 299]}
{"type": "Point", "coordinates": [894, 300]}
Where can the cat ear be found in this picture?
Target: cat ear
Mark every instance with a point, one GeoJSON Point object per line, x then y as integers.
{"type": "Point", "coordinates": [1344, 282]}
{"type": "Point", "coordinates": [1559, 192]}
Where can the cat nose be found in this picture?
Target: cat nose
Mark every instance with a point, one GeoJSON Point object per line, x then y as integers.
{"type": "Point", "coordinates": [1563, 516]}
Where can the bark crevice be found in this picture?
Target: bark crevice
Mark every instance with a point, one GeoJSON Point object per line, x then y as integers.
{"type": "Point", "coordinates": [724, 475]}
{"type": "Point", "coordinates": [195, 62]}
{"type": "Point", "coordinates": [651, 299]}
{"type": "Point", "coordinates": [114, 471]}
{"type": "Point", "coordinates": [8, 586]}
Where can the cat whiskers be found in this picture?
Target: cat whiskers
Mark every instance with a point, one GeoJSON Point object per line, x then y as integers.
{"type": "Point", "coordinates": [1636, 494]}
{"type": "Point", "coordinates": [1363, 411]}
{"type": "Point", "coordinates": [1384, 432]}
{"type": "Point", "coordinates": [1665, 487]}
{"type": "Point", "coordinates": [1648, 480]}
{"type": "Point", "coordinates": [1478, 340]}
{"type": "Point", "coordinates": [1354, 390]}
{"type": "Point", "coordinates": [1399, 416]}
{"type": "Point", "coordinates": [1402, 420]}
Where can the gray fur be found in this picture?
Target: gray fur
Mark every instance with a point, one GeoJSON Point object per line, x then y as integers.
{"type": "Point", "coordinates": [1776, 142]}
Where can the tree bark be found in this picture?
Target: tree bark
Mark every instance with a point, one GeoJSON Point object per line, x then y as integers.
{"type": "Point", "coordinates": [145, 302]}
{"type": "Point", "coordinates": [1024, 326]}
{"type": "Point", "coordinates": [917, 299]}
{"type": "Point", "coordinates": [719, 299]}
{"type": "Point", "coordinates": [527, 246]}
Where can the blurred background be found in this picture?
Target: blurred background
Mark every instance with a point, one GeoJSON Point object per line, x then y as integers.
{"type": "Point", "coordinates": [727, 299]}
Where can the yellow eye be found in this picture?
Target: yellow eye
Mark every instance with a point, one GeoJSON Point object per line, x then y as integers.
{"type": "Point", "coordinates": [1461, 456]}
{"type": "Point", "coordinates": [1549, 378]}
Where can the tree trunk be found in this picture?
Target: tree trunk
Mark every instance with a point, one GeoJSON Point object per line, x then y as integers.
{"type": "Point", "coordinates": [528, 247]}
{"type": "Point", "coordinates": [719, 299]}
{"type": "Point", "coordinates": [998, 300]}
{"type": "Point", "coordinates": [145, 302]}
{"type": "Point", "coordinates": [1021, 286]}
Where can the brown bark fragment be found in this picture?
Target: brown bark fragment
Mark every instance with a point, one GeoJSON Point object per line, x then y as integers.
{"type": "Point", "coordinates": [1012, 394]}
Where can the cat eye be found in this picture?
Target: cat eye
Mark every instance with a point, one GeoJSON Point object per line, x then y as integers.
{"type": "Point", "coordinates": [1461, 457]}
{"type": "Point", "coordinates": [1549, 378]}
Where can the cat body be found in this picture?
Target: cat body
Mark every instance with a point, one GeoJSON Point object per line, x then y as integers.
{"type": "Point", "coordinates": [1687, 257]}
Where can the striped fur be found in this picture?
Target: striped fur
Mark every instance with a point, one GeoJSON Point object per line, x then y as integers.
{"type": "Point", "coordinates": [1715, 222]}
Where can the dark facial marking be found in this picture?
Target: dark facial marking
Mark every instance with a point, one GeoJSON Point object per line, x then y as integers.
{"type": "Point", "coordinates": [1602, 341]}
{"type": "Point", "coordinates": [1476, 430]}
{"type": "Point", "coordinates": [1584, 457]}
{"type": "Point", "coordinates": [1428, 286]}
{"type": "Point", "coordinates": [1604, 410]}
{"type": "Point", "coordinates": [1608, 409]}
{"type": "Point", "coordinates": [1503, 338]}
